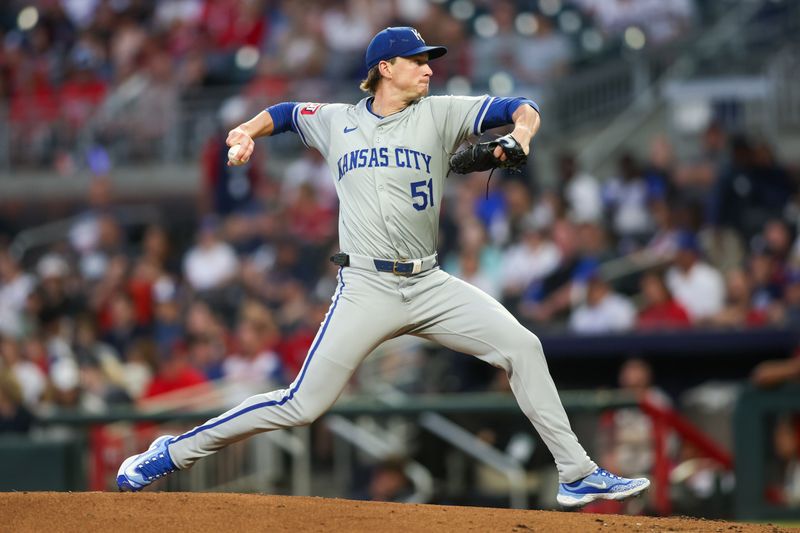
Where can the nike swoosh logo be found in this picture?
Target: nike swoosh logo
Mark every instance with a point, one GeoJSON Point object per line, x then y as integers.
{"type": "Point", "coordinates": [597, 485]}
{"type": "Point", "coordinates": [348, 130]}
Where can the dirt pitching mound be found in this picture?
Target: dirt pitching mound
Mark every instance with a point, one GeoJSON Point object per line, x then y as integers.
{"type": "Point", "coordinates": [198, 513]}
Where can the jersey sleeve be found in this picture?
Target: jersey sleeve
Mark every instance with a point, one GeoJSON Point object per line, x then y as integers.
{"type": "Point", "coordinates": [458, 117]}
{"type": "Point", "coordinates": [312, 122]}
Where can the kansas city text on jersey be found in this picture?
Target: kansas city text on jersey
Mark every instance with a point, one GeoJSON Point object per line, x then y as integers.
{"type": "Point", "coordinates": [380, 157]}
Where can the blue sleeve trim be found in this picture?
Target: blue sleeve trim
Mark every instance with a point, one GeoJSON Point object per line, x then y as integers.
{"type": "Point", "coordinates": [501, 110]}
{"type": "Point", "coordinates": [476, 128]}
{"type": "Point", "coordinates": [297, 125]}
{"type": "Point", "coordinates": [282, 117]}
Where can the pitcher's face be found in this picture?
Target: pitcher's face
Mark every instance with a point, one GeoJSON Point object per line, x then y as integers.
{"type": "Point", "coordinates": [412, 75]}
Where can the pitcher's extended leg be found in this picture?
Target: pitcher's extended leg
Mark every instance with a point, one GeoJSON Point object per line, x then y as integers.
{"type": "Point", "coordinates": [356, 323]}
{"type": "Point", "coordinates": [463, 318]}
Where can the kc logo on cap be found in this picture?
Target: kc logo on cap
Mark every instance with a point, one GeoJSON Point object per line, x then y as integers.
{"type": "Point", "coordinates": [399, 41]}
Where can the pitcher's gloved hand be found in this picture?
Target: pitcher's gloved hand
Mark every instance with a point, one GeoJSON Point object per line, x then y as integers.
{"type": "Point", "coordinates": [480, 157]}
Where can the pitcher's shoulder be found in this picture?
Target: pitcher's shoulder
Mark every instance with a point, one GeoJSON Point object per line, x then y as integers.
{"type": "Point", "coordinates": [313, 108]}
{"type": "Point", "coordinates": [446, 100]}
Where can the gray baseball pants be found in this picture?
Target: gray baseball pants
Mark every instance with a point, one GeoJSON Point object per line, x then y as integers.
{"type": "Point", "coordinates": [371, 307]}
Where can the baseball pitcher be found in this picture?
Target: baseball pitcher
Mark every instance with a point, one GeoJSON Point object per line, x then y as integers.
{"type": "Point", "coordinates": [389, 155]}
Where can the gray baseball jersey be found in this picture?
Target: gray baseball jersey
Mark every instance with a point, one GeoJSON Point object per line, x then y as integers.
{"type": "Point", "coordinates": [390, 171]}
{"type": "Point", "coordinates": [389, 175]}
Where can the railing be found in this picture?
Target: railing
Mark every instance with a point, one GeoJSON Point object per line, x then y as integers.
{"type": "Point", "coordinates": [664, 419]}
{"type": "Point", "coordinates": [754, 409]}
{"type": "Point", "coordinates": [54, 232]}
{"type": "Point", "coordinates": [225, 470]}
{"type": "Point", "coordinates": [587, 96]}
{"type": "Point", "coordinates": [251, 465]}
{"type": "Point", "coordinates": [786, 84]}
{"type": "Point", "coordinates": [468, 443]}
{"type": "Point", "coordinates": [378, 448]}
{"type": "Point", "coordinates": [645, 103]}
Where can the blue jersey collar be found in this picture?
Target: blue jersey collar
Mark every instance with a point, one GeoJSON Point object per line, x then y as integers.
{"type": "Point", "coordinates": [369, 107]}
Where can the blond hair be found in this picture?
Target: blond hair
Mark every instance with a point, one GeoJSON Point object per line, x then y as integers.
{"type": "Point", "coordinates": [370, 83]}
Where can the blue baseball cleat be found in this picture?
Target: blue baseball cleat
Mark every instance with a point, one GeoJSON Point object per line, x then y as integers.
{"type": "Point", "coordinates": [599, 485]}
{"type": "Point", "coordinates": [138, 471]}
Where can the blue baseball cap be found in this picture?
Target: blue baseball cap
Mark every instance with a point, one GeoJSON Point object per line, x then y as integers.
{"type": "Point", "coordinates": [688, 241]}
{"type": "Point", "coordinates": [399, 41]}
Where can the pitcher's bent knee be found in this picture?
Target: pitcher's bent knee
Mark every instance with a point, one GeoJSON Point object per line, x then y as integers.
{"type": "Point", "coordinates": [307, 414]}
{"type": "Point", "coordinates": [525, 344]}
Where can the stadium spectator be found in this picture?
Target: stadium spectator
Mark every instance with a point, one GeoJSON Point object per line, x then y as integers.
{"type": "Point", "coordinates": [626, 437]}
{"type": "Point", "coordinates": [228, 190]}
{"type": "Point", "coordinates": [28, 377]}
{"type": "Point", "coordinates": [551, 298]}
{"type": "Point", "coordinates": [791, 299]}
{"type": "Point", "coordinates": [207, 355]}
{"type": "Point", "coordinates": [528, 261]}
{"type": "Point", "coordinates": [347, 47]}
{"type": "Point", "coordinates": [458, 61]}
{"type": "Point", "coordinates": [174, 373]}
{"type": "Point", "coordinates": [542, 58]}
{"type": "Point", "coordinates": [56, 295]}
{"type": "Point", "coordinates": [83, 90]}
{"type": "Point", "coordinates": [309, 169]}
{"type": "Point", "coordinates": [660, 310]}
{"type": "Point", "coordinates": [168, 324]}
{"type": "Point", "coordinates": [138, 368]}
{"type": "Point", "coordinates": [123, 330]}
{"type": "Point", "coordinates": [722, 247]}
{"type": "Point", "coordinates": [775, 372]}
{"type": "Point", "coordinates": [90, 350]}
{"type": "Point", "coordinates": [738, 310]}
{"type": "Point", "coordinates": [232, 24]}
{"type": "Point", "coordinates": [309, 220]}
{"type": "Point", "coordinates": [14, 416]}
{"type": "Point", "coordinates": [694, 178]}
{"type": "Point", "coordinates": [663, 244]}
{"type": "Point", "coordinates": [579, 192]}
{"type": "Point", "coordinates": [472, 239]}
{"type": "Point", "coordinates": [627, 434]}
{"type": "Point", "coordinates": [498, 52]}
{"type": "Point", "coordinates": [211, 263]}
{"type": "Point", "coordinates": [157, 249]}
{"type": "Point", "coordinates": [389, 483]}
{"type": "Point", "coordinates": [661, 22]}
{"type": "Point", "coordinates": [603, 310]}
{"type": "Point", "coordinates": [784, 487]}
{"type": "Point", "coordinates": [84, 232]}
{"type": "Point", "coordinates": [469, 270]}
{"type": "Point", "coordinates": [295, 341]}
{"type": "Point", "coordinates": [102, 292]}
{"type": "Point", "coordinates": [253, 366]}
{"type": "Point", "coordinates": [751, 190]}
{"type": "Point", "coordinates": [202, 322]}
{"type": "Point", "coordinates": [696, 285]}
{"type": "Point", "coordinates": [15, 287]}
{"type": "Point", "coordinates": [627, 199]}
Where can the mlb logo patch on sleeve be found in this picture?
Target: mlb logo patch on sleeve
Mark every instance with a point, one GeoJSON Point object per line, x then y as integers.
{"type": "Point", "coordinates": [310, 109]}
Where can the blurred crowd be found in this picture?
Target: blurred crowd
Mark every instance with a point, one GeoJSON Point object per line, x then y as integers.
{"type": "Point", "coordinates": [117, 314]}
{"type": "Point", "coordinates": [116, 72]}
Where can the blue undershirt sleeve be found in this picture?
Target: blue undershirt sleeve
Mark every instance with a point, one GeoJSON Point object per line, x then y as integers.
{"type": "Point", "coordinates": [501, 110]}
{"type": "Point", "coordinates": [282, 117]}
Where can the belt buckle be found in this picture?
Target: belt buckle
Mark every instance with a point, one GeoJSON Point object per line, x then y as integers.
{"type": "Point", "coordinates": [416, 268]}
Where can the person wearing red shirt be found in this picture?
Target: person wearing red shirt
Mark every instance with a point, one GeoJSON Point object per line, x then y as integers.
{"type": "Point", "coordinates": [661, 311]}
{"type": "Point", "coordinates": [174, 373]}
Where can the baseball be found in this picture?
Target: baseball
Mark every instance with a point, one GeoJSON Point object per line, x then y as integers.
{"type": "Point", "coordinates": [233, 151]}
